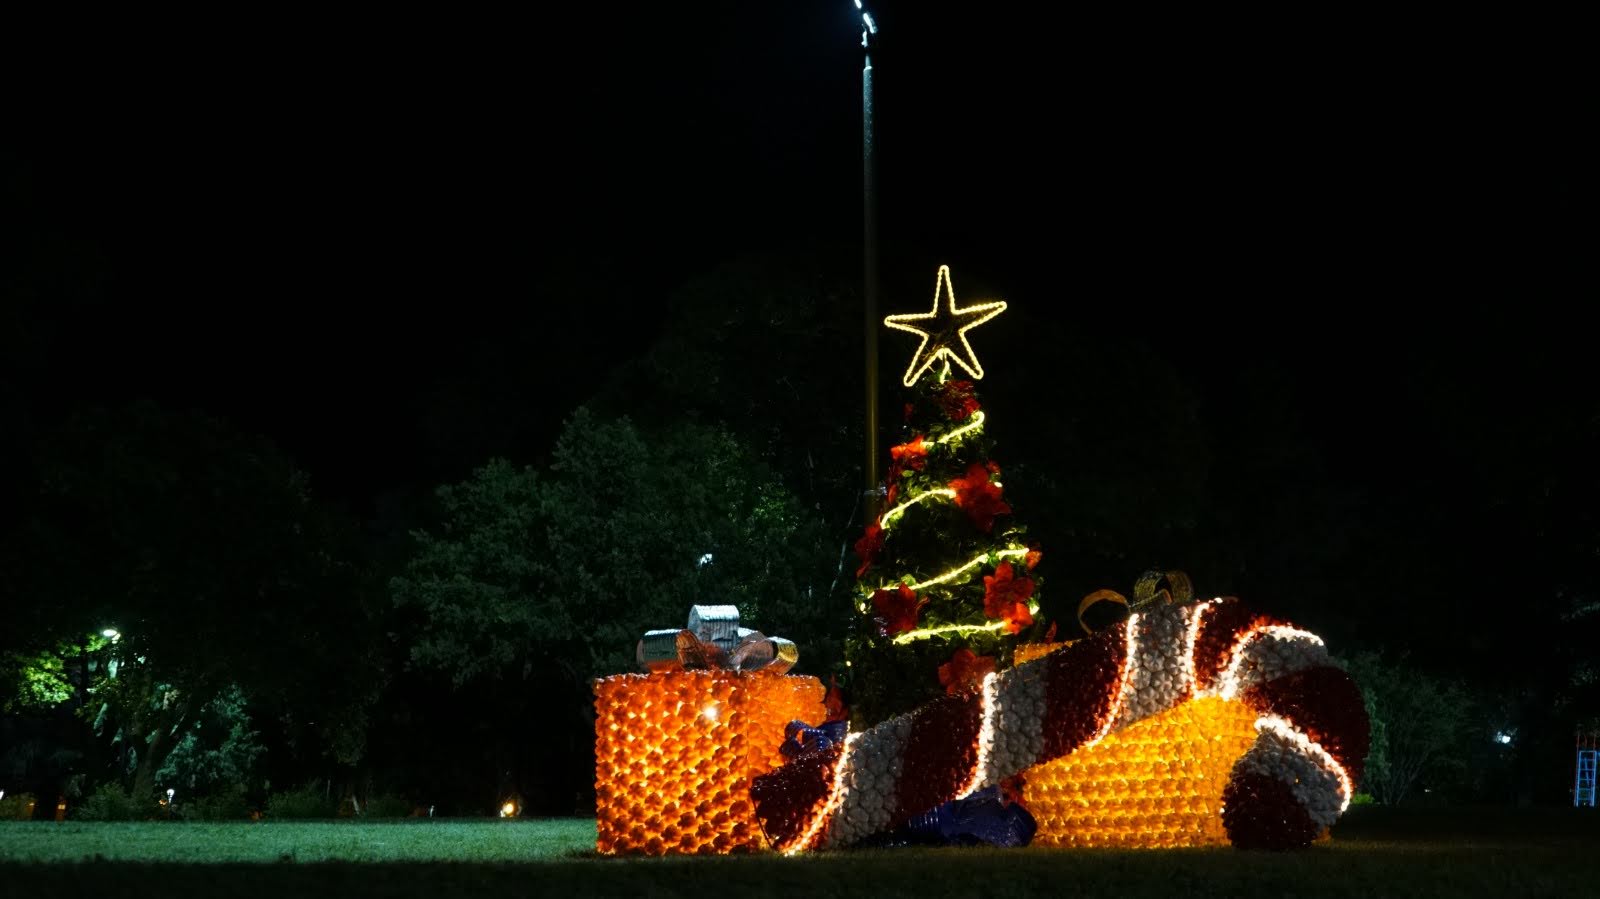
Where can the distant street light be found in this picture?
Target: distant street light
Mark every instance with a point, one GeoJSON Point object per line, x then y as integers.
{"type": "Point", "coordinates": [869, 261]}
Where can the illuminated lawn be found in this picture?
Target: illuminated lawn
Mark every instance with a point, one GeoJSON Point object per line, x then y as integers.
{"type": "Point", "coordinates": [1455, 853]}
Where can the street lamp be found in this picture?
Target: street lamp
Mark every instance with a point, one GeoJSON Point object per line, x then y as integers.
{"type": "Point", "coordinates": [869, 26]}
{"type": "Point", "coordinates": [869, 261]}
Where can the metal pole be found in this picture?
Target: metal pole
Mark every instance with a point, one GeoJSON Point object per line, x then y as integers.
{"type": "Point", "coordinates": [869, 267]}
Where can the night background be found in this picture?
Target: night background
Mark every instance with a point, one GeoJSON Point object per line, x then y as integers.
{"type": "Point", "coordinates": [1296, 306]}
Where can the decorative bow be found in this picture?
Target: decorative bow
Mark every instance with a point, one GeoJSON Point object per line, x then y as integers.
{"type": "Point", "coordinates": [714, 639]}
{"type": "Point", "coordinates": [1154, 587]}
{"type": "Point", "coordinates": [800, 738]}
{"type": "Point", "coordinates": [985, 817]}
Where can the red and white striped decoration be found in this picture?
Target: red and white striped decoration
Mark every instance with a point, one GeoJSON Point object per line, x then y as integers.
{"type": "Point", "coordinates": [1294, 781]}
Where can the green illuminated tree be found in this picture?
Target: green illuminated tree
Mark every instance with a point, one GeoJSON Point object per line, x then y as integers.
{"type": "Point", "coordinates": [1421, 727]}
{"type": "Point", "coordinates": [946, 583]}
{"type": "Point", "coordinates": [220, 752]}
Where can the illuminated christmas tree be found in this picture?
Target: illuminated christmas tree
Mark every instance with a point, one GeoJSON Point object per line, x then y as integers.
{"type": "Point", "coordinates": [946, 586]}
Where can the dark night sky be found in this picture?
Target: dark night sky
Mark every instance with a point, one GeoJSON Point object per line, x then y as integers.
{"type": "Point", "coordinates": [304, 225]}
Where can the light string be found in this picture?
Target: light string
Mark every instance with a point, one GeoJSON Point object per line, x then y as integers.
{"type": "Point", "coordinates": [924, 633]}
{"type": "Point", "coordinates": [1125, 682]}
{"type": "Point", "coordinates": [977, 422]}
{"type": "Point", "coordinates": [1228, 688]}
{"type": "Point", "coordinates": [1191, 637]}
{"type": "Point", "coordinates": [988, 698]}
{"type": "Point", "coordinates": [1229, 682]}
{"type": "Point", "coordinates": [899, 510]}
{"type": "Point", "coordinates": [1284, 728]}
{"type": "Point", "coordinates": [1011, 552]}
{"type": "Point", "coordinates": [835, 797]}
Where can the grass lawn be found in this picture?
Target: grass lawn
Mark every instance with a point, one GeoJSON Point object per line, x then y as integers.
{"type": "Point", "coordinates": [283, 842]}
{"type": "Point", "coordinates": [1501, 853]}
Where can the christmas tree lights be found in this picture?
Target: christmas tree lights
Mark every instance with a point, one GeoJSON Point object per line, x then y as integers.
{"type": "Point", "coordinates": [1013, 552]}
{"type": "Point", "coordinates": [964, 430]}
{"type": "Point", "coordinates": [889, 516]}
{"type": "Point", "coordinates": [923, 633]}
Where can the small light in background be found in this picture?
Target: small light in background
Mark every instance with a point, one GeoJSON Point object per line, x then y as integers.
{"type": "Point", "coordinates": [1503, 738]}
{"type": "Point", "coordinates": [509, 810]}
{"type": "Point", "coordinates": [111, 634]}
{"type": "Point", "coordinates": [712, 711]}
{"type": "Point", "coordinates": [704, 560]}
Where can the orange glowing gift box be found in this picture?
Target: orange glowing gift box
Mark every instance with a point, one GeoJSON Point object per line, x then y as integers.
{"type": "Point", "coordinates": [676, 749]}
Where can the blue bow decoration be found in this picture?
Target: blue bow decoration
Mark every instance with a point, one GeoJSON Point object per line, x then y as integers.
{"type": "Point", "coordinates": [982, 819]}
{"type": "Point", "coordinates": [800, 738]}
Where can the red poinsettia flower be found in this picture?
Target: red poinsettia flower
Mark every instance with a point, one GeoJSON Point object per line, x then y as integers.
{"type": "Point", "coordinates": [869, 547]}
{"type": "Point", "coordinates": [1033, 557]}
{"type": "Point", "coordinates": [979, 498]}
{"type": "Point", "coordinates": [892, 494]}
{"type": "Point", "coordinates": [897, 609]}
{"type": "Point", "coordinates": [965, 670]}
{"type": "Point", "coordinates": [956, 398]}
{"type": "Point", "coordinates": [1005, 596]}
{"type": "Point", "coordinates": [913, 455]}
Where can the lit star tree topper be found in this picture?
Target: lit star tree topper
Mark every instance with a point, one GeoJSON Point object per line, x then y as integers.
{"type": "Point", "coordinates": [943, 330]}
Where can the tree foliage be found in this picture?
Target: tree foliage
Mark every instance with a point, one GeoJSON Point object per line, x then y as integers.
{"type": "Point", "coordinates": [535, 580]}
{"type": "Point", "coordinates": [572, 564]}
{"type": "Point", "coordinates": [203, 549]}
{"type": "Point", "coordinates": [1421, 727]}
{"type": "Point", "coordinates": [220, 752]}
